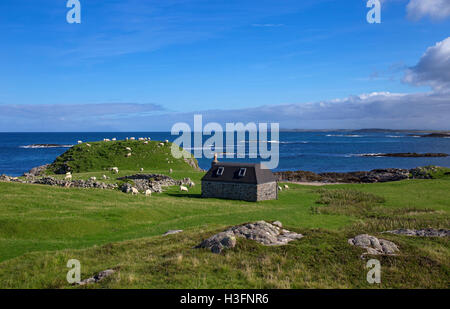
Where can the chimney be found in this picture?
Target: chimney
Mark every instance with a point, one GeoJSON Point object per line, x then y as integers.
{"type": "Point", "coordinates": [215, 161]}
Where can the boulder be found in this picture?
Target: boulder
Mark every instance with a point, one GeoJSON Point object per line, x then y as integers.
{"type": "Point", "coordinates": [262, 232]}
{"type": "Point", "coordinates": [99, 277]}
{"type": "Point", "coordinates": [373, 245]}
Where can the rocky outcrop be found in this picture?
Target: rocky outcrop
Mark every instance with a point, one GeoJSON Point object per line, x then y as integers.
{"type": "Point", "coordinates": [97, 278]}
{"type": "Point", "coordinates": [75, 183]}
{"type": "Point", "coordinates": [406, 155]}
{"type": "Point", "coordinates": [36, 171]}
{"type": "Point", "coordinates": [378, 175]}
{"type": "Point", "coordinates": [153, 182]}
{"type": "Point", "coordinates": [422, 233]}
{"type": "Point", "coordinates": [436, 135]}
{"type": "Point", "coordinates": [373, 245]}
{"type": "Point", "coordinates": [261, 231]}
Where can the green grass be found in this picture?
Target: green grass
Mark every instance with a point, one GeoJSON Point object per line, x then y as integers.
{"type": "Point", "coordinates": [101, 156]}
{"type": "Point", "coordinates": [42, 227]}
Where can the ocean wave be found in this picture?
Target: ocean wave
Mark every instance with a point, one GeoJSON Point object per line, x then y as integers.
{"type": "Point", "coordinates": [35, 146]}
{"type": "Point", "coordinates": [344, 135]}
{"type": "Point", "coordinates": [394, 136]}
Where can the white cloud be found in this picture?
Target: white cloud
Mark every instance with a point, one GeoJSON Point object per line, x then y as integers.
{"type": "Point", "coordinates": [378, 109]}
{"type": "Point", "coordinates": [436, 9]}
{"type": "Point", "coordinates": [433, 68]}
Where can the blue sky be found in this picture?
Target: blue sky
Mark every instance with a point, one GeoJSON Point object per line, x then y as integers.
{"type": "Point", "coordinates": [143, 65]}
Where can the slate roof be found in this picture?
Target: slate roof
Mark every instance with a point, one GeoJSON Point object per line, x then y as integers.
{"type": "Point", "coordinates": [254, 173]}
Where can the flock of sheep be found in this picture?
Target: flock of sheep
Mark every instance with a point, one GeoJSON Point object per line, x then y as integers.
{"type": "Point", "coordinates": [115, 170]}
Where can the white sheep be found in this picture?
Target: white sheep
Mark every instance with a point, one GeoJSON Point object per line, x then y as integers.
{"type": "Point", "coordinates": [89, 145]}
{"type": "Point", "coordinates": [128, 155]}
{"type": "Point", "coordinates": [183, 188]}
{"type": "Point", "coordinates": [142, 169]}
{"type": "Point", "coordinates": [128, 148]}
{"type": "Point", "coordinates": [93, 178]}
{"type": "Point", "coordinates": [161, 144]}
{"type": "Point", "coordinates": [132, 139]}
{"type": "Point", "coordinates": [104, 177]}
{"type": "Point", "coordinates": [148, 192]}
{"type": "Point", "coordinates": [114, 139]}
{"type": "Point", "coordinates": [286, 186]}
{"type": "Point", "coordinates": [80, 142]}
{"type": "Point", "coordinates": [280, 188]}
{"type": "Point", "coordinates": [134, 191]}
{"type": "Point", "coordinates": [115, 170]}
{"type": "Point", "coordinates": [68, 176]}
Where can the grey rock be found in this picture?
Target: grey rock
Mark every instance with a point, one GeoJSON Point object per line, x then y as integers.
{"type": "Point", "coordinates": [99, 277]}
{"type": "Point", "coordinates": [422, 233]}
{"type": "Point", "coordinates": [154, 182]}
{"type": "Point", "coordinates": [261, 231]}
{"type": "Point", "coordinates": [373, 245]}
{"type": "Point", "coordinates": [172, 232]}
{"type": "Point", "coordinates": [36, 171]}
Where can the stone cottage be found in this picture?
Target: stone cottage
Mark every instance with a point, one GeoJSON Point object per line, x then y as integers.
{"type": "Point", "coordinates": [239, 181]}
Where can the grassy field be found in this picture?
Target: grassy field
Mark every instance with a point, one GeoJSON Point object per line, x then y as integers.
{"type": "Point", "coordinates": [42, 227]}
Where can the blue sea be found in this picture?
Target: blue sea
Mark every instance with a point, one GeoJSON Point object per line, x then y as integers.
{"type": "Point", "coordinates": [310, 151]}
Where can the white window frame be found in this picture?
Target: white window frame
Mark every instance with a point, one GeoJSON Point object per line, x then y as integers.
{"type": "Point", "coordinates": [242, 172]}
{"type": "Point", "coordinates": [220, 171]}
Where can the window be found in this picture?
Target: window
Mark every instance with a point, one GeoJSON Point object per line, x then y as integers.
{"type": "Point", "coordinates": [220, 171]}
{"type": "Point", "coordinates": [242, 172]}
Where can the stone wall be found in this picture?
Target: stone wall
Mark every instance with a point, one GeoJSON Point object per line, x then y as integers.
{"type": "Point", "coordinates": [239, 191]}
{"type": "Point", "coordinates": [267, 191]}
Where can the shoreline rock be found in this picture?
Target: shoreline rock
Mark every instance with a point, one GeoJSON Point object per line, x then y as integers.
{"type": "Point", "coordinates": [406, 155]}
{"type": "Point", "coordinates": [377, 175]}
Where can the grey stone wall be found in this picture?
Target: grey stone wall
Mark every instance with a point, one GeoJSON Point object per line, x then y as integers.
{"type": "Point", "coordinates": [239, 191]}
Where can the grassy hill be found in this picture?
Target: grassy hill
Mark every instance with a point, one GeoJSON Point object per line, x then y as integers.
{"type": "Point", "coordinates": [100, 156]}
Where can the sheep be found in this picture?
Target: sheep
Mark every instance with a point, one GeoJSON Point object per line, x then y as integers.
{"type": "Point", "coordinates": [171, 171]}
{"type": "Point", "coordinates": [115, 170]}
{"type": "Point", "coordinates": [80, 142]}
{"type": "Point", "coordinates": [128, 148]}
{"type": "Point", "coordinates": [104, 177]}
{"type": "Point", "coordinates": [134, 191]}
{"type": "Point", "coordinates": [183, 188]}
{"type": "Point", "coordinates": [132, 138]}
{"type": "Point", "coordinates": [140, 138]}
{"type": "Point", "coordinates": [128, 155]}
{"type": "Point", "coordinates": [280, 188]}
{"type": "Point", "coordinates": [191, 184]}
{"type": "Point", "coordinates": [114, 139]}
{"type": "Point", "coordinates": [93, 178]}
{"type": "Point", "coordinates": [89, 145]}
{"type": "Point", "coordinates": [68, 176]}
{"type": "Point", "coordinates": [161, 144]}
{"type": "Point", "coordinates": [106, 140]}
{"type": "Point", "coordinates": [166, 141]}
{"type": "Point", "coordinates": [141, 169]}
{"type": "Point", "coordinates": [148, 192]}
{"type": "Point", "coordinates": [286, 186]}
{"type": "Point", "coordinates": [146, 142]}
